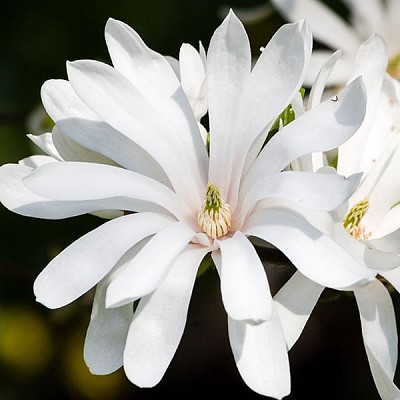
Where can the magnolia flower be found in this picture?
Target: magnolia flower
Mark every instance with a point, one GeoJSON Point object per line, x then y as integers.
{"type": "Point", "coordinates": [366, 18]}
{"type": "Point", "coordinates": [367, 226]}
{"type": "Point", "coordinates": [141, 156]}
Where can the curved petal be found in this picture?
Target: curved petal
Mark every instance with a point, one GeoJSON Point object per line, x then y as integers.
{"type": "Point", "coordinates": [315, 254]}
{"type": "Point", "coordinates": [244, 284]}
{"type": "Point", "coordinates": [339, 75]}
{"type": "Point", "coordinates": [80, 182]}
{"type": "Point", "coordinates": [294, 303]}
{"type": "Point", "coordinates": [193, 79]}
{"type": "Point", "coordinates": [159, 321]}
{"type": "Point", "coordinates": [317, 191]}
{"type": "Point", "coordinates": [280, 71]}
{"type": "Point", "coordinates": [45, 143]}
{"type": "Point", "coordinates": [114, 98]}
{"type": "Point", "coordinates": [379, 330]}
{"type": "Point", "coordinates": [83, 126]}
{"type": "Point", "coordinates": [326, 26]}
{"type": "Point", "coordinates": [148, 269]}
{"type": "Point", "coordinates": [370, 63]}
{"type": "Point", "coordinates": [320, 129]}
{"type": "Point", "coordinates": [153, 76]}
{"type": "Point", "coordinates": [228, 67]}
{"type": "Point", "coordinates": [261, 356]}
{"type": "Point", "coordinates": [319, 84]}
{"type": "Point", "coordinates": [106, 334]}
{"type": "Point", "coordinates": [86, 261]}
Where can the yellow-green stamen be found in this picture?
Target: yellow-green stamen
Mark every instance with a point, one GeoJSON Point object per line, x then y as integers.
{"type": "Point", "coordinates": [393, 67]}
{"type": "Point", "coordinates": [352, 221]}
{"type": "Point", "coordinates": [215, 215]}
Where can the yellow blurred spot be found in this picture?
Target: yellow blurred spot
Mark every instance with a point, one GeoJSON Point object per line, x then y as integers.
{"type": "Point", "coordinates": [80, 379]}
{"type": "Point", "coordinates": [25, 340]}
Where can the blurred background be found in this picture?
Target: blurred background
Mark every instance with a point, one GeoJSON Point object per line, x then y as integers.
{"type": "Point", "coordinates": [40, 349]}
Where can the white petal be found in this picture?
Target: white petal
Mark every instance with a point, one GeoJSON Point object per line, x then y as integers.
{"type": "Point", "coordinates": [279, 70]}
{"type": "Point", "coordinates": [379, 334]}
{"type": "Point", "coordinates": [316, 255]}
{"type": "Point", "coordinates": [294, 303]}
{"type": "Point", "coordinates": [261, 356]}
{"type": "Point", "coordinates": [86, 182]}
{"type": "Point", "coordinates": [113, 97]}
{"type": "Point", "coordinates": [193, 79]}
{"type": "Point", "coordinates": [339, 75]}
{"type": "Point", "coordinates": [325, 25]}
{"type": "Point", "coordinates": [106, 334]}
{"type": "Point", "coordinates": [86, 261]}
{"type": "Point", "coordinates": [317, 191]}
{"type": "Point", "coordinates": [86, 128]}
{"type": "Point", "coordinates": [244, 285]}
{"type": "Point", "coordinates": [159, 321]}
{"type": "Point", "coordinates": [148, 269]}
{"type": "Point", "coordinates": [153, 76]}
{"type": "Point", "coordinates": [370, 63]}
{"type": "Point", "coordinates": [45, 143]}
{"type": "Point", "coordinates": [320, 129]}
{"type": "Point", "coordinates": [319, 84]}
{"type": "Point", "coordinates": [228, 67]}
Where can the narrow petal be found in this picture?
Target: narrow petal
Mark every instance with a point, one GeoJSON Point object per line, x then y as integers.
{"type": "Point", "coordinates": [153, 76]}
{"type": "Point", "coordinates": [326, 26]}
{"type": "Point", "coordinates": [114, 98]}
{"type": "Point", "coordinates": [159, 321]}
{"type": "Point", "coordinates": [379, 330]}
{"type": "Point", "coordinates": [228, 67]}
{"type": "Point", "coordinates": [106, 335]}
{"type": "Point", "coordinates": [193, 79]}
{"type": "Point", "coordinates": [83, 126]}
{"type": "Point", "coordinates": [321, 80]}
{"type": "Point", "coordinates": [261, 356]}
{"type": "Point", "coordinates": [148, 269]}
{"type": "Point", "coordinates": [244, 285]}
{"type": "Point", "coordinates": [315, 254]}
{"type": "Point", "coordinates": [280, 70]}
{"type": "Point", "coordinates": [80, 182]}
{"type": "Point", "coordinates": [323, 128]}
{"type": "Point", "coordinates": [294, 303]}
{"type": "Point", "coordinates": [370, 63]}
{"type": "Point", "coordinates": [86, 261]}
{"type": "Point", "coordinates": [317, 191]}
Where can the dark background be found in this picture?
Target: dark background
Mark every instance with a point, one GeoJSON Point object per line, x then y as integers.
{"type": "Point", "coordinates": [40, 349]}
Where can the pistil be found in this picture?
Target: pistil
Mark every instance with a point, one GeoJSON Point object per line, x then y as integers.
{"type": "Point", "coordinates": [214, 217]}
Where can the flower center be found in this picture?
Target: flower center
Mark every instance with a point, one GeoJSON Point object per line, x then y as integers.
{"type": "Point", "coordinates": [352, 221]}
{"type": "Point", "coordinates": [214, 217]}
{"type": "Point", "coordinates": [393, 67]}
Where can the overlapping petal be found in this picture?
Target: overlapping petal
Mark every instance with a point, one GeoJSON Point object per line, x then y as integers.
{"type": "Point", "coordinates": [323, 128]}
{"type": "Point", "coordinates": [106, 335]}
{"type": "Point", "coordinates": [294, 303]}
{"type": "Point", "coordinates": [147, 270]}
{"type": "Point", "coordinates": [159, 321]}
{"type": "Point", "coordinates": [119, 103]}
{"type": "Point", "coordinates": [86, 261]}
{"type": "Point", "coordinates": [261, 356]}
{"type": "Point", "coordinates": [83, 126]}
{"type": "Point", "coordinates": [244, 285]}
{"type": "Point", "coordinates": [83, 183]}
{"type": "Point", "coordinates": [379, 330]}
{"type": "Point", "coordinates": [325, 261]}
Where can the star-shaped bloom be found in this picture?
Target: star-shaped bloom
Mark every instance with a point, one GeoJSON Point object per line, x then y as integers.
{"type": "Point", "coordinates": [368, 225]}
{"type": "Point", "coordinates": [127, 143]}
{"type": "Point", "coordinates": [366, 18]}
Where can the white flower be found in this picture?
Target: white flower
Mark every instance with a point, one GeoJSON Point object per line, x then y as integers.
{"type": "Point", "coordinates": [180, 203]}
{"type": "Point", "coordinates": [368, 225]}
{"type": "Point", "coordinates": [366, 18]}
